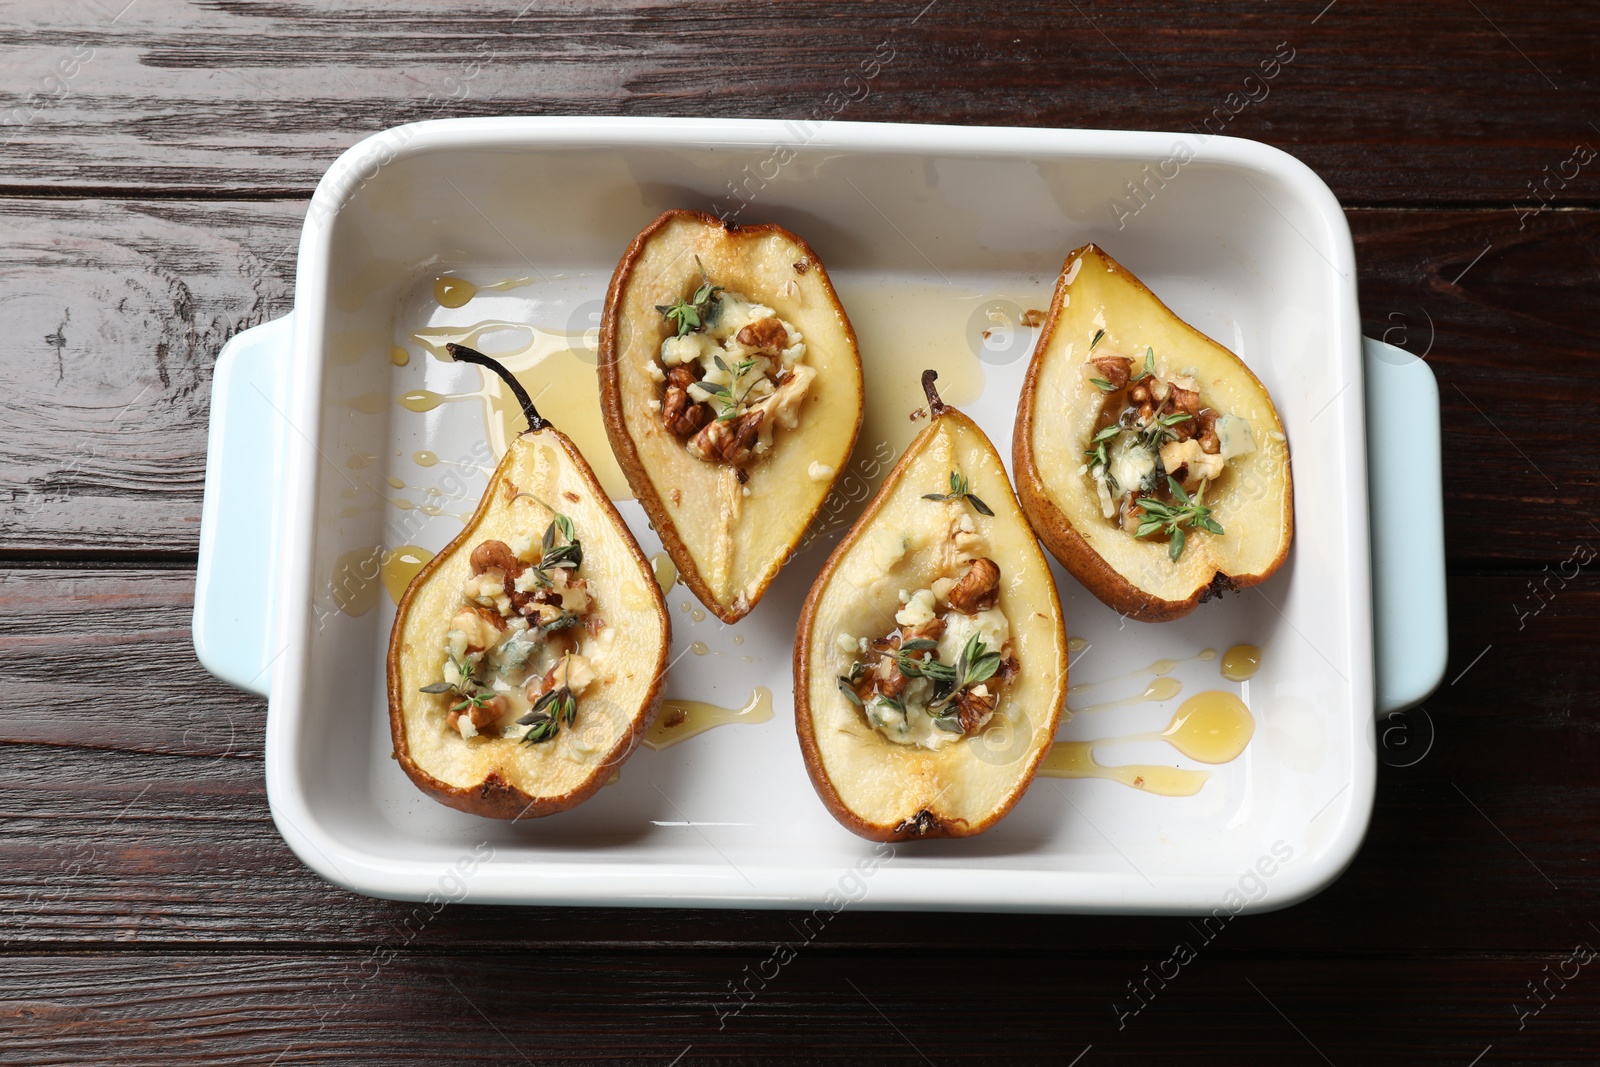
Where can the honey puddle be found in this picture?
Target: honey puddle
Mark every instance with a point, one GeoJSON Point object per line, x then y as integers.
{"type": "Point", "coordinates": [453, 292]}
{"type": "Point", "coordinates": [665, 570]}
{"type": "Point", "coordinates": [1159, 689]}
{"type": "Point", "coordinates": [399, 566]}
{"type": "Point", "coordinates": [682, 719]}
{"type": "Point", "coordinates": [1158, 668]}
{"type": "Point", "coordinates": [1210, 727]}
{"type": "Point", "coordinates": [361, 572]}
{"type": "Point", "coordinates": [1075, 759]}
{"type": "Point", "coordinates": [559, 377]}
{"type": "Point", "coordinates": [1240, 663]}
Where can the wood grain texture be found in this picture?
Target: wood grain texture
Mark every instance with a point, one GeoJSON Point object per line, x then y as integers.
{"type": "Point", "coordinates": [119, 308]}
{"type": "Point", "coordinates": [459, 1008]}
{"type": "Point", "coordinates": [114, 313]}
{"type": "Point", "coordinates": [149, 823]}
{"type": "Point", "coordinates": [1444, 103]}
{"type": "Point", "coordinates": [158, 156]}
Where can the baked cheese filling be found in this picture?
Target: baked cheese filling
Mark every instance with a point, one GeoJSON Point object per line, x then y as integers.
{"type": "Point", "coordinates": [732, 376]}
{"type": "Point", "coordinates": [1157, 447]}
{"type": "Point", "coordinates": [941, 673]}
{"type": "Point", "coordinates": [521, 648]}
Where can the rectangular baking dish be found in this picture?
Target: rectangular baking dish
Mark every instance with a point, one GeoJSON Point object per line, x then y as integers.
{"type": "Point", "coordinates": [326, 450]}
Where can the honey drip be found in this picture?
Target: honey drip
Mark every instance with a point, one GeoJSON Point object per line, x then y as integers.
{"type": "Point", "coordinates": [1210, 727]}
{"type": "Point", "coordinates": [559, 377]}
{"type": "Point", "coordinates": [1158, 668]}
{"type": "Point", "coordinates": [399, 566]}
{"type": "Point", "coordinates": [453, 292]}
{"type": "Point", "coordinates": [682, 719]}
{"type": "Point", "coordinates": [1075, 759]}
{"type": "Point", "coordinates": [399, 356]}
{"type": "Point", "coordinates": [1240, 663]}
{"type": "Point", "coordinates": [423, 400]}
{"type": "Point", "coordinates": [665, 570]}
{"type": "Point", "coordinates": [1160, 688]}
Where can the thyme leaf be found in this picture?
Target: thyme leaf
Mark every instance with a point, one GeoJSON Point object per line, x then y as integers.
{"type": "Point", "coordinates": [553, 709]}
{"type": "Point", "coordinates": [702, 309]}
{"type": "Point", "coordinates": [960, 489]}
{"type": "Point", "coordinates": [1172, 518]}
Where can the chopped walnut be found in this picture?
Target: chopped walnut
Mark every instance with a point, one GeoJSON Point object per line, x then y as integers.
{"type": "Point", "coordinates": [495, 554]}
{"type": "Point", "coordinates": [682, 415]}
{"type": "Point", "coordinates": [975, 707]}
{"type": "Point", "coordinates": [767, 335]}
{"type": "Point", "coordinates": [978, 589]}
{"type": "Point", "coordinates": [730, 441]}
{"type": "Point", "coordinates": [1114, 369]}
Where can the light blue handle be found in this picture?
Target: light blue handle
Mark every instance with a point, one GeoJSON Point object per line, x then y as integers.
{"type": "Point", "coordinates": [1405, 489]}
{"type": "Point", "coordinates": [236, 587]}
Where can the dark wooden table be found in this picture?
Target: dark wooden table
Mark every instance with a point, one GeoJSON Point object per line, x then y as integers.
{"type": "Point", "coordinates": [157, 164]}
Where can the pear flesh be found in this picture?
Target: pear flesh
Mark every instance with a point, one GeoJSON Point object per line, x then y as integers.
{"type": "Point", "coordinates": [899, 565]}
{"type": "Point", "coordinates": [1078, 505]}
{"type": "Point", "coordinates": [610, 650]}
{"type": "Point", "coordinates": [729, 512]}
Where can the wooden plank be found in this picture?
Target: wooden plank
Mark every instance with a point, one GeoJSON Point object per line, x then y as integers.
{"type": "Point", "coordinates": [115, 312]}
{"type": "Point", "coordinates": [462, 1008]}
{"type": "Point", "coordinates": [139, 814]}
{"type": "Point", "coordinates": [1492, 300]}
{"type": "Point", "coordinates": [1466, 105]}
{"type": "Point", "coordinates": [118, 310]}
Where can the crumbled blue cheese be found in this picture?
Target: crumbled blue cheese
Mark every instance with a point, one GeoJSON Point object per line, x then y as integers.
{"type": "Point", "coordinates": [991, 626]}
{"type": "Point", "coordinates": [1130, 463]}
{"type": "Point", "coordinates": [919, 608]}
{"type": "Point", "coordinates": [820, 472]}
{"type": "Point", "coordinates": [851, 645]}
{"type": "Point", "coordinates": [1235, 437]}
{"type": "Point", "coordinates": [888, 548]}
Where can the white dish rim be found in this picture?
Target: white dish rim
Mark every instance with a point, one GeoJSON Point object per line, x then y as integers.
{"type": "Point", "coordinates": [691, 885]}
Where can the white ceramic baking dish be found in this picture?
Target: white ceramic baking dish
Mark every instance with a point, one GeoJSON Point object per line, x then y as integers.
{"type": "Point", "coordinates": [929, 232]}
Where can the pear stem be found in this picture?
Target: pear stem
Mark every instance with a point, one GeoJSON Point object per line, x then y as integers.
{"type": "Point", "coordinates": [463, 354]}
{"type": "Point", "coordinates": [936, 407]}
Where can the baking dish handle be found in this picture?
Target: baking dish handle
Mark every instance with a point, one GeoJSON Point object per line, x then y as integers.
{"type": "Point", "coordinates": [236, 585]}
{"type": "Point", "coordinates": [1410, 633]}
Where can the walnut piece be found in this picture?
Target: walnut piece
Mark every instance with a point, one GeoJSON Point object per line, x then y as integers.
{"type": "Point", "coordinates": [492, 554]}
{"type": "Point", "coordinates": [1114, 369]}
{"type": "Point", "coordinates": [978, 589]}
{"type": "Point", "coordinates": [730, 441]}
{"type": "Point", "coordinates": [766, 334]}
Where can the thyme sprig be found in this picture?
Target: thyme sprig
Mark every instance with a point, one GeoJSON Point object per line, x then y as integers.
{"type": "Point", "coordinates": [1172, 518]}
{"type": "Point", "coordinates": [559, 548]}
{"type": "Point", "coordinates": [975, 665]}
{"type": "Point", "coordinates": [700, 310]}
{"type": "Point", "coordinates": [472, 692]}
{"type": "Point", "coordinates": [1149, 365]}
{"type": "Point", "coordinates": [549, 713]}
{"type": "Point", "coordinates": [909, 663]}
{"type": "Point", "coordinates": [731, 405]}
{"type": "Point", "coordinates": [961, 490]}
{"type": "Point", "coordinates": [1097, 454]}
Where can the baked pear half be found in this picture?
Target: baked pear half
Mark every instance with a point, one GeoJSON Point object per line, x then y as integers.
{"type": "Point", "coordinates": [528, 657]}
{"type": "Point", "coordinates": [930, 666]}
{"type": "Point", "coordinates": [730, 384]}
{"type": "Point", "coordinates": [1149, 459]}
